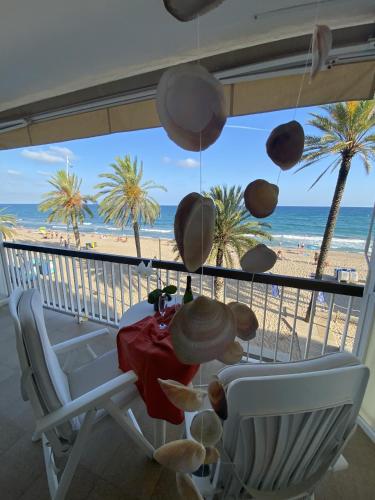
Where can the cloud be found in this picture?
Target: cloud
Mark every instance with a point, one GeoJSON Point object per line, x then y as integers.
{"type": "Point", "coordinates": [166, 159]}
{"type": "Point", "coordinates": [13, 172]}
{"type": "Point", "coordinates": [44, 172]}
{"type": "Point", "coordinates": [188, 163]}
{"type": "Point", "coordinates": [54, 154]}
{"type": "Point", "coordinates": [247, 127]}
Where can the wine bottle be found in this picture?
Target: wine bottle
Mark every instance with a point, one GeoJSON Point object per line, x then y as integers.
{"type": "Point", "coordinates": [188, 295]}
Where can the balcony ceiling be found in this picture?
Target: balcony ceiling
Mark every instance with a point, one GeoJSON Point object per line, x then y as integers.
{"type": "Point", "coordinates": [49, 49]}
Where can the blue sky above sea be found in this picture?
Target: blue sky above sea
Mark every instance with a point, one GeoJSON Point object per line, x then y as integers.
{"type": "Point", "coordinates": [238, 157]}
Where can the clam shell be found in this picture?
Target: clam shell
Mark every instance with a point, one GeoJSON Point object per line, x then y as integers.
{"type": "Point", "coordinates": [183, 397]}
{"type": "Point", "coordinates": [285, 144]}
{"type": "Point", "coordinates": [321, 46]}
{"type": "Point", "coordinates": [186, 487]}
{"type": "Point", "coordinates": [232, 355]}
{"type": "Point", "coordinates": [246, 321]}
{"type": "Point", "coordinates": [206, 428]}
{"type": "Point", "coordinates": [261, 198]}
{"type": "Point", "coordinates": [218, 399]}
{"type": "Point", "coordinates": [186, 10]}
{"type": "Point", "coordinates": [183, 455]}
{"type": "Point", "coordinates": [201, 330]}
{"type": "Point", "coordinates": [194, 228]}
{"type": "Point", "coordinates": [191, 106]}
{"type": "Point", "coordinates": [212, 455]}
{"type": "Point", "coordinates": [258, 259]}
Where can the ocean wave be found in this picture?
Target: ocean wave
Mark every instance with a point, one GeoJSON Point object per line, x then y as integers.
{"type": "Point", "coordinates": [112, 228]}
{"type": "Point", "coordinates": [318, 238]}
{"type": "Point", "coordinates": [87, 223]}
{"type": "Point", "coordinates": [157, 230]}
{"type": "Point", "coordinates": [58, 227]}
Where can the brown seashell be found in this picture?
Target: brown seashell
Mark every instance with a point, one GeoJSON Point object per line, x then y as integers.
{"type": "Point", "coordinates": [246, 321]}
{"type": "Point", "coordinates": [206, 427]}
{"type": "Point", "coordinates": [183, 397]}
{"type": "Point", "coordinates": [218, 399]}
{"type": "Point", "coordinates": [186, 10]}
{"type": "Point", "coordinates": [261, 198]}
{"type": "Point", "coordinates": [183, 455]}
{"type": "Point", "coordinates": [186, 487]}
{"type": "Point", "coordinates": [285, 144]}
{"type": "Point", "coordinates": [194, 228]}
{"type": "Point", "coordinates": [191, 106]}
{"type": "Point", "coordinates": [232, 355]}
{"type": "Point", "coordinates": [321, 46]}
{"type": "Point", "coordinates": [212, 455]}
{"type": "Point", "coordinates": [201, 330]}
{"type": "Point", "coordinates": [258, 259]}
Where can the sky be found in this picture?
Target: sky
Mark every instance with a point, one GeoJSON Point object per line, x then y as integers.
{"type": "Point", "coordinates": [237, 157]}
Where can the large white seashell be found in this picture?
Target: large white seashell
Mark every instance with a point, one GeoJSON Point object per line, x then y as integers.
{"type": "Point", "coordinates": [261, 198]}
{"type": "Point", "coordinates": [246, 321]}
{"type": "Point", "coordinates": [194, 228]}
{"type": "Point", "coordinates": [218, 399]}
{"type": "Point", "coordinates": [212, 455]}
{"type": "Point", "coordinates": [183, 397]}
{"type": "Point", "coordinates": [186, 487]}
{"type": "Point", "coordinates": [258, 259]}
{"type": "Point", "coordinates": [206, 428]}
{"type": "Point", "coordinates": [321, 46]}
{"type": "Point", "coordinates": [201, 330]}
{"type": "Point", "coordinates": [285, 144]}
{"type": "Point", "coordinates": [232, 355]}
{"type": "Point", "coordinates": [186, 10]}
{"type": "Point", "coordinates": [183, 455]}
{"type": "Point", "coordinates": [191, 106]}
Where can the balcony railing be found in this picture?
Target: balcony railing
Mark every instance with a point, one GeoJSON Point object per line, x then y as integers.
{"type": "Point", "coordinates": [101, 287]}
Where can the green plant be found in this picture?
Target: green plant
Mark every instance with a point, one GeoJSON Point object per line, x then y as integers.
{"type": "Point", "coordinates": [153, 297]}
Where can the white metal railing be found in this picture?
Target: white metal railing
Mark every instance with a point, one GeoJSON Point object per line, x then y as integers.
{"type": "Point", "coordinates": [102, 287]}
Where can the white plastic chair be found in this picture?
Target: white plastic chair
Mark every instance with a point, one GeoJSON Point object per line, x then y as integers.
{"type": "Point", "coordinates": [287, 426]}
{"type": "Point", "coordinates": [67, 406]}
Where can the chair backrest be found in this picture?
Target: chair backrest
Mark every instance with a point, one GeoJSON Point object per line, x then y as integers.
{"type": "Point", "coordinates": [284, 430]}
{"type": "Point", "coordinates": [42, 381]}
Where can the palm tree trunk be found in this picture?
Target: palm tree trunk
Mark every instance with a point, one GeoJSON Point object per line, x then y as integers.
{"type": "Point", "coordinates": [77, 236]}
{"type": "Point", "coordinates": [331, 221]}
{"type": "Point", "coordinates": [136, 238]}
{"type": "Point", "coordinates": [218, 282]}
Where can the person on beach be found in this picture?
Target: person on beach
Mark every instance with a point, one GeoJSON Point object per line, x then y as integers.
{"type": "Point", "coordinates": [279, 254]}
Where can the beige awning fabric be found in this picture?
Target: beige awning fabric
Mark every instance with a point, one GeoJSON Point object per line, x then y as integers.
{"type": "Point", "coordinates": [340, 83]}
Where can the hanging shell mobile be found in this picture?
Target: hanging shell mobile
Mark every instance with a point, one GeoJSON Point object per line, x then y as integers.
{"type": "Point", "coordinates": [183, 455]}
{"type": "Point", "coordinates": [212, 455]}
{"type": "Point", "coordinates": [261, 198]}
{"type": "Point", "coordinates": [321, 46]}
{"type": "Point", "coordinates": [183, 397]}
{"type": "Point", "coordinates": [232, 355]}
{"type": "Point", "coordinates": [186, 487]}
{"type": "Point", "coordinates": [258, 259]}
{"type": "Point", "coordinates": [218, 399]}
{"type": "Point", "coordinates": [186, 10]}
{"type": "Point", "coordinates": [191, 106]}
{"type": "Point", "coordinates": [285, 144]}
{"type": "Point", "coordinates": [206, 428]}
{"type": "Point", "coordinates": [246, 321]}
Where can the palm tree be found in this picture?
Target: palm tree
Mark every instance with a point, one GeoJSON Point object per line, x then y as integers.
{"type": "Point", "coordinates": [66, 203]}
{"type": "Point", "coordinates": [235, 232]}
{"type": "Point", "coordinates": [7, 222]}
{"type": "Point", "coordinates": [346, 133]}
{"type": "Point", "coordinates": [126, 197]}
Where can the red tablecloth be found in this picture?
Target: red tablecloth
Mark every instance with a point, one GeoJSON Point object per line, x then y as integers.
{"type": "Point", "coordinates": [146, 349]}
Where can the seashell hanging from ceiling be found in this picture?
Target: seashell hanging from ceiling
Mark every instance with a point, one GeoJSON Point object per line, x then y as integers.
{"type": "Point", "coordinates": [218, 399]}
{"type": "Point", "coordinates": [212, 455]}
{"type": "Point", "coordinates": [186, 10]}
{"type": "Point", "coordinates": [186, 487]}
{"type": "Point", "coordinates": [191, 106]}
{"type": "Point", "coordinates": [258, 259]}
{"type": "Point", "coordinates": [183, 397]}
{"type": "Point", "coordinates": [261, 198]}
{"type": "Point", "coordinates": [183, 455]}
{"type": "Point", "coordinates": [201, 330]}
{"type": "Point", "coordinates": [194, 228]}
{"type": "Point", "coordinates": [285, 144]}
{"type": "Point", "coordinates": [206, 428]}
{"type": "Point", "coordinates": [321, 46]}
{"type": "Point", "coordinates": [232, 355]}
{"type": "Point", "coordinates": [246, 321]}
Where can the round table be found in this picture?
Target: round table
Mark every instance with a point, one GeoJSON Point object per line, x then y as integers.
{"type": "Point", "coordinates": [132, 315]}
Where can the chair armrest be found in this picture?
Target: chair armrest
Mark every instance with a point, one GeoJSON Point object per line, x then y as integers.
{"type": "Point", "coordinates": [77, 341]}
{"type": "Point", "coordinates": [87, 401]}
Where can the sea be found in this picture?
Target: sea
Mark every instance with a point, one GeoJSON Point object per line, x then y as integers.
{"type": "Point", "coordinates": [289, 226]}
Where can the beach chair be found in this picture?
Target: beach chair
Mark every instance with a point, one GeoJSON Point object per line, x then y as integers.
{"type": "Point", "coordinates": [287, 426]}
{"type": "Point", "coordinates": [66, 407]}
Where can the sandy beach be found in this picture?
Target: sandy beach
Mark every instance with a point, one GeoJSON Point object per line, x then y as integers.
{"type": "Point", "coordinates": [280, 310]}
